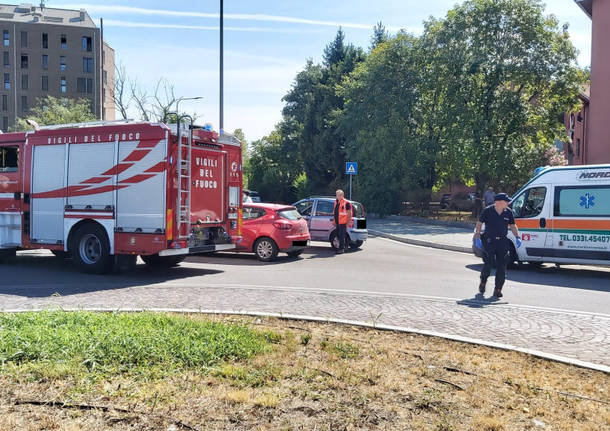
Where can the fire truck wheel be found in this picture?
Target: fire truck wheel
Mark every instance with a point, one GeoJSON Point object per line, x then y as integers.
{"type": "Point", "coordinates": [156, 261]}
{"type": "Point", "coordinates": [265, 249]}
{"type": "Point", "coordinates": [91, 249]}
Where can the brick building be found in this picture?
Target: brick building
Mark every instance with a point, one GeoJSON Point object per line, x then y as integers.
{"type": "Point", "coordinates": [55, 52]}
{"type": "Point", "coordinates": [595, 133]}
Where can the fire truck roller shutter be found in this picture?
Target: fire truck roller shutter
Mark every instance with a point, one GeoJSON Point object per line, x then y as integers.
{"type": "Point", "coordinates": [48, 174]}
{"type": "Point", "coordinates": [88, 166]}
{"type": "Point", "coordinates": [142, 189]}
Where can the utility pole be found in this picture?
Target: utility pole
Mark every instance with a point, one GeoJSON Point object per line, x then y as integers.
{"type": "Point", "coordinates": [221, 123]}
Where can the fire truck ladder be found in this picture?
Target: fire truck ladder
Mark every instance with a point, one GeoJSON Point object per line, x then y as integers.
{"type": "Point", "coordinates": [184, 180]}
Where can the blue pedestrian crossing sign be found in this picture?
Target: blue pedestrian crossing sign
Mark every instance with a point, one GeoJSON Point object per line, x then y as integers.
{"type": "Point", "coordinates": [351, 168]}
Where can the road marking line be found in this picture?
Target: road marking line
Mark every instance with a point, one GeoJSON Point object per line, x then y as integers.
{"type": "Point", "coordinates": [385, 294]}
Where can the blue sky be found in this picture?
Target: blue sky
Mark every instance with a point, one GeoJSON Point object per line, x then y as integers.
{"type": "Point", "coordinates": [266, 44]}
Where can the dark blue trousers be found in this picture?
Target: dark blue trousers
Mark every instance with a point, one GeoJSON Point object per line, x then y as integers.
{"type": "Point", "coordinates": [495, 254]}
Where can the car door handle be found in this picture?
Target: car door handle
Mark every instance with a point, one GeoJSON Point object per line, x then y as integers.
{"type": "Point", "coordinates": [543, 222]}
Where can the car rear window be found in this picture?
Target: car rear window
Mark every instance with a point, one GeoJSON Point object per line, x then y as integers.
{"type": "Point", "coordinates": [289, 213]}
{"type": "Point", "coordinates": [358, 210]}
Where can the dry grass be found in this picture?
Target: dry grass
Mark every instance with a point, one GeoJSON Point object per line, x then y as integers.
{"type": "Point", "coordinates": [326, 377]}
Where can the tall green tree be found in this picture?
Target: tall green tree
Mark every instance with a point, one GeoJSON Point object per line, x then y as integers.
{"type": "Point", "coordinates": [274, 167]}
{"type": "Point", "coordinates": [50, 110]}
{"type": "Point", "coordinates": [310, 114]}
{"type": "Point", "coordinates": [511, 72]}
{"type": "Point", "coordinates": [378, 122]}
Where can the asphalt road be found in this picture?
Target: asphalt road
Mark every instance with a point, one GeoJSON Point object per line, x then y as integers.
{"type": "Point", "coordinates": [381, 266]}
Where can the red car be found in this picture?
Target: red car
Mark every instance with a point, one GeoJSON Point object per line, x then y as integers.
{"type": "Point", "coordinates": [272, 228]}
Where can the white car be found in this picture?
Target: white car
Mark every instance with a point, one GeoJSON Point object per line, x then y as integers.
{"type": "Point", "coordinates": [318, 211]}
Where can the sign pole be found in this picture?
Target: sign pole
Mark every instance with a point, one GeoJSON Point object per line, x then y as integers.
{"type": "Point", "coordinates": [350, 187]}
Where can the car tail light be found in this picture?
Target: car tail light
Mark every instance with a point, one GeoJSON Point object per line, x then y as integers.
{"type": "Point", "coordinates": [282, 225]}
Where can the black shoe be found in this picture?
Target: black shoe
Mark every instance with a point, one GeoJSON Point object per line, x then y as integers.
{"type": "Point", "coordinates": [482, 288]}
{"type": "Point", "coordinates": [498, 293]}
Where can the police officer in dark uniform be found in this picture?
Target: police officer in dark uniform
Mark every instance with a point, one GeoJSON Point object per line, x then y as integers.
{"type": "Point", "coordinates": [498, 218]}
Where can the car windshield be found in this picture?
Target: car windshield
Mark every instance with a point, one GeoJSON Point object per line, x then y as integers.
{"type": "Point", "coordinates": [358, 210]}
{"type": "Point", "coordinates": [289, 213]}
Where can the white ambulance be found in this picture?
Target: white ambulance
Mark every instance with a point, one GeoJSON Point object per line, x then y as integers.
{"type": "Point", "coordinates": [563, 216]}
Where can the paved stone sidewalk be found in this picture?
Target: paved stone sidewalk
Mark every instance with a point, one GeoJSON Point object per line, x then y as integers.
{"type": "Point", "coordinates": [580, 336]}
{"type": "Point", "coordinates": [431, 234]}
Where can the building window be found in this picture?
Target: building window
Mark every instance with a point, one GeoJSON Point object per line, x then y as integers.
{"type": "Point", "coordinates": [87, 65]}
{"type": "Point", "coordinates": [24, 103]}
{"type": "Point", "coordinates": [64, 41]}
{"type": "Point", "coordinates": [62, 84]}
{"type": "Point", "coordinates": [87, 46]}
{"type": "Point", "coordinates": [24, 61]}
{"type": "Point", "coordinates": [24, 39]}
{"type": "Point", "coordinates": [4, 102]}
{"type": "Point", "coordinates": [62, 63]}
{"type": "Point", "coordinates": [45, 41]}
{"type": "Point", "coordinates": [7, 81]}
{"type": "Point", "coordinates": [44, 83]}
{"type": "Point", "coordinates": [24, 82]}
{"type": "Point", "coordinates": [577, 147]}
{"type": "Point", "coordinates": [105, 77]}
{"type": "Point", "coordinates": [5, 123]}
{"type": "Point", "coordinates": [45, 62]}
{"type": "Point", "coordinates": [5, 38]}
{"type": "Point", "coordinates": [84, 85]}
{"type": "Point", "coordinates": [6, 59]}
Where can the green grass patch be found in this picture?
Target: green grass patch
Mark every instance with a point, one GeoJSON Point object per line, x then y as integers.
{"type": "Point", "coordinates": [57, 344]}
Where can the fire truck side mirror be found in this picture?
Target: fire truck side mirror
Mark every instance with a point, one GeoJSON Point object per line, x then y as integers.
{"type": "Point", "coordinates": [17, 196]}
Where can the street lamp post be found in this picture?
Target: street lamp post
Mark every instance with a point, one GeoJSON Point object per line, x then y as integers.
{"type": "Point", "coordinates": [221, 107]}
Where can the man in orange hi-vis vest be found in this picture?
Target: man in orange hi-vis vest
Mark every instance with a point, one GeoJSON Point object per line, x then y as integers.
{"type": "Point", "coordinates": [342, 216]}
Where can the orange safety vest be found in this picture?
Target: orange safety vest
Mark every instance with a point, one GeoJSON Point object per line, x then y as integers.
{"type": "Point", "coordinates": [343, 215]}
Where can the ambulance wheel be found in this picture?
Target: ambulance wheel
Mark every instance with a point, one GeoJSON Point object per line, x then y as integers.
{"type": "Point", "coordinates": [157, 261]}
{"type": "Point", "coordinates": [91, 249]}
{"type": "Point", "coordinates": [356, 244]}
{"type": "Point", "coordinates": [265, 249]}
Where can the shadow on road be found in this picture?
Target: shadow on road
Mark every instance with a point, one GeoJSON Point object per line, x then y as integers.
{"type": "Point", "coordinates": [576, 278]}
{"type": "Point", "coordinates": [248, 259]}
{"type": "Point", "coordinates": [43, 275]}
{"type": "Point", "coordinates": [480, 301]}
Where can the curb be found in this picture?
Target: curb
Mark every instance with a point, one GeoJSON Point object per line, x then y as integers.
{"type": "Point", "coordinates": [422, 243]}
{"type": "Point", "coordinates": [508, 347]}
{"type": "Point", "coordinates": [424, 220]}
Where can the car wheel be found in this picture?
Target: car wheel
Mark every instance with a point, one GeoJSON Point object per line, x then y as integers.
{"type": "Point", "coordinates": [356, 244]}
{"type": "Point", "coordinates": [157, 261]}
{"type": "Point", "coordinates": [334, 240]}
{"type": "Point", "coordinates": [265, 249]}
{"type": "Point", "coordinates": [295, 253]}
{"type": "Point", "coordinates": [91, 249]}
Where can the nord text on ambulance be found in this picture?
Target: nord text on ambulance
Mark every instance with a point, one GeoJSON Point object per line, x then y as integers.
{"type": "Point", "coordinates": [563, 216]}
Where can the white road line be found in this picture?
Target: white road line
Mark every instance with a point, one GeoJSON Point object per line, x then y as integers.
{"type": "Point", "coordinates": [385, 294]}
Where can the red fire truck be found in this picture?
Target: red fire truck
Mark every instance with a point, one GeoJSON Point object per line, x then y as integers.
{"type": "Point", "coordinates": [107, 192]}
